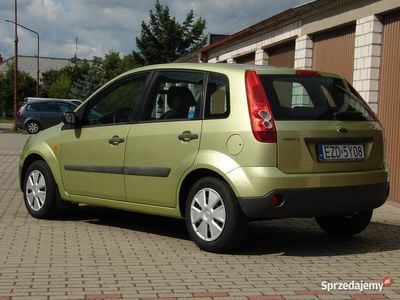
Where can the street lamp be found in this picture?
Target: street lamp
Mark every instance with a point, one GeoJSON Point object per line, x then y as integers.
{"type": "Point", "coordinates": [38, 38]}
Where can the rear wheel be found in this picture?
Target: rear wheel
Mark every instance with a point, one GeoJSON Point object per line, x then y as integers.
{"type": "Point", "coordinates": [32, 127]}
{"type": "Point", "coordinates": [347, 225]}
{"type": "Point", "coordinates": [214, 218]}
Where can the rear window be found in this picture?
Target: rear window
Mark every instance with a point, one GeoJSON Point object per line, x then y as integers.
{"type": "Point", "coordinates": [33, 107]}
{"type": "Point", "coordinates": [314, 98]}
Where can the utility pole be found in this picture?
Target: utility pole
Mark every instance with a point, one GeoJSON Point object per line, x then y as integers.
{"type": "Point", "coordinates": [15, 62]}
{"type": "Point", "coordinates": [76, 48]}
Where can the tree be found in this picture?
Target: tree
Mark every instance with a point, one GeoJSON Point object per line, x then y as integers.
{"type": "Point", "coordinates": [60, 88]}
{"type": "Point", "coordinates": [26, 88]}
{"type": "Point", "coordinates": [163, 39]}
{"type": "Point", "coordinates": [71, 73]}
{"type": "Point", "coordinates": [81, 78]}
{"type": "Point", "coordinates": [84, 87]}
{"type": "Point", "coordinates": [113, 65]}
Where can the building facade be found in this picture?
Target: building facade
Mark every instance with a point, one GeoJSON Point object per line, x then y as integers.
{"type": "Point", "coordinates": [358, 39]}
{"type": "Point", "coordinates": [28, 64]}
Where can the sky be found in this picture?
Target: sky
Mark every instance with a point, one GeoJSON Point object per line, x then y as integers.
{"type": "Point", "coordinates": [104, 25]}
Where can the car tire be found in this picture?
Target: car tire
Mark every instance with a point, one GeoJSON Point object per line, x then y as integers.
{"type": "Point", "coordinates": [32, 127]}
{"type": "Point", "coordinates": [348, 225]}
{"type": "Point", "coordinates": [41, 196]}
{"type": "Point", "coordinates": [218, 225]}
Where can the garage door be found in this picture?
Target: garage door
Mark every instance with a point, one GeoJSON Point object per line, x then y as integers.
{"type": "Point", "coordinates": [389, 99]}
{"type": "Point", "coordinates": [334, 51]}
{"type": "Point", "coordinates": [246, 59]}
{"type": "Point", "coordinates": [282, 55]}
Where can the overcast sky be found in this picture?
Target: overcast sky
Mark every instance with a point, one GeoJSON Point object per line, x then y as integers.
{"type": "Point", "coordinates": [103, 25]}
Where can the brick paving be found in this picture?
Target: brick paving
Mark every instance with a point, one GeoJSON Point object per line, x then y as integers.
{"type": "Point", "coordinates": [109, 254]}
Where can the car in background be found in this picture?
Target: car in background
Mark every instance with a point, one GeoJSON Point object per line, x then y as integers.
{"type": "Point", "coordinates": [36, 115]}
{"type": "Point", "coordinates": [218, 145]}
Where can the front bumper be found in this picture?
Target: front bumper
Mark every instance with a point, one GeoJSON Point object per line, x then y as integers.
{"type": "Point", "coordinates": [314, 202]}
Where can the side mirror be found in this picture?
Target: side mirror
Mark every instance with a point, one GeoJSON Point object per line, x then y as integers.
{"type": "Point", "coordinates": [69, 118]}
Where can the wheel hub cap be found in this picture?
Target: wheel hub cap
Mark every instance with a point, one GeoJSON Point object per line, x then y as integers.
{"type": "Point", "coordinates": [35, 190]}
{"type": "Point", "coordinates": [207, 214]}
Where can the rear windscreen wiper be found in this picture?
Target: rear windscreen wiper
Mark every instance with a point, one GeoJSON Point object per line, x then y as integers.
{"type": "Point", "coordinates": [348, 114]}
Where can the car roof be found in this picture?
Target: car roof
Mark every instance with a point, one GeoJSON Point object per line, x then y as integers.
{"type": "Point", "coordinates": [50, 100]}
{"type": "Point", "coordinates": [224, 68]}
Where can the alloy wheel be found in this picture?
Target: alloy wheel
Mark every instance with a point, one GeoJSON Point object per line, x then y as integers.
{"type": "Point", "coordinates": [32, 127]}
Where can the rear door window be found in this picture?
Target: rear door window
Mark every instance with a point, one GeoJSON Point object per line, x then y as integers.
{"type": "Point", "coordinates": [48, 107]}
{"type": "Point", "coordinates": [313, 98]}
{"type": "Point", "coordinates": [175, 95]}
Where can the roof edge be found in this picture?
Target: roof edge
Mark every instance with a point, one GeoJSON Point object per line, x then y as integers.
{"type": "Point", "coordinates": [288, 14]}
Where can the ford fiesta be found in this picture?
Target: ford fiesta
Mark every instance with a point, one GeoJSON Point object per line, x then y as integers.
{"type": "Point", "coordinates": [218, 145]}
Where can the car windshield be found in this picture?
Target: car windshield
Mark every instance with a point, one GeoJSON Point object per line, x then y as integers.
{"type": "Point", "coordinates": [294, 97]}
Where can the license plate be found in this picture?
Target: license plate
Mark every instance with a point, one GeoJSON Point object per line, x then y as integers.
{"type": "Point", "coordinates": [342, 152]}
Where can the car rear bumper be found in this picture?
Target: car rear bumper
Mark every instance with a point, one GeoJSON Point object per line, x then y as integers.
{"type": "Point", "coordinates": [18, 124]}
{"type": "Point", "coordinates": [313, 202]}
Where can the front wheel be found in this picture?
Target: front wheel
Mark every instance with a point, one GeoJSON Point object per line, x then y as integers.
{"type": "Point", "coordinates": [214, 218]}
{"type": "Point", "coordinates": [41, 196]}
{"type": "Point", "coordinates": [347, 225]}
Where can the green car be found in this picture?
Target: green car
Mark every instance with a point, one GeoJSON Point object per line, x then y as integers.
{"type": "Point", "coordinates": [218, 145]}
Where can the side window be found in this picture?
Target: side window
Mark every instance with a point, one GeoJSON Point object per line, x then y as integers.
{"type": "Point", "coordinates": [217, 101]}
{"type": "Point", "coordinates": [175, 95]}
{"type": "Point", "coordinates": [117, 104]}
{"type": "Point", "coordinates": [64, 107]}
{"type": "Point", "coordinates": [48, 107]}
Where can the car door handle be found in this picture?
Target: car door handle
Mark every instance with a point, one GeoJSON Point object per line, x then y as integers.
{"type": "Point", "coordinates": [187, 136]}
{"type": "Point", "coordinates": [115, 140]}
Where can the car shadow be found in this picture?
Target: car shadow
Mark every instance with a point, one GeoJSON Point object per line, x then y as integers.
{"type": "Point", "coordinates": [303, 237]}
{"type": "Point", "coordinates": [164, 226]}
{"type": "Point", "coordinates": [289, 237]}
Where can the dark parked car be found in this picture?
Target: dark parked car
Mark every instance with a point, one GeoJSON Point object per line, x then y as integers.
{"type": "Point", "coordinates": [38, 115]}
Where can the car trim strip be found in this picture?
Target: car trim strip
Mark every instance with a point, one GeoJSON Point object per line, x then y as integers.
{"type": "Point", "coordinates": [97, 169]}
{"type": "Point", "coordinates": [339, 140]}
{"type": "Point", "coordinates": [139, 171]}
{"type": "Point", "coordinates": [147, 171]}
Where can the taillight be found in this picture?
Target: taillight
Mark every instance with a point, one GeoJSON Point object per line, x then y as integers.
{"type": "Point", "coordinates": [262, 121]}
{"type": "Point", "coordinates": [20, 110]}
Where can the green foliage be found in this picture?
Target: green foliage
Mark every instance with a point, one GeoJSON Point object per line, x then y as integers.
{"type": "Point", "coordinates": [85, 86]}
{"type": "Point", "coordinates": [113, 65]}
{"type": "Point", "coordinates": [71, 73]}
{"type": "Point", "coordinates": [60, 88]}
{"type": "Point", "coordinates": [81, 78]}
{"type": "Point", "coordinates": [163, 39]}
{"type": "Point", "coordinates": [26, 88]}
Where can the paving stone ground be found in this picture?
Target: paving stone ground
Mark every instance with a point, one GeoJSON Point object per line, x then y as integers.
{"type": "Point", "coordinates": [109, 254]}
